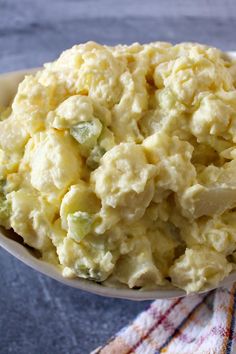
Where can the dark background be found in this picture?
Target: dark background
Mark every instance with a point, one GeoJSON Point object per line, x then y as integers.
{"type": "Point", "coordinates": [37, 314]}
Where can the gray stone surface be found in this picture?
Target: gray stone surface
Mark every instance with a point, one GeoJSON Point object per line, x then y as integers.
{"type": "Point", "coordinates": [37, 314]}
{"type": "Point", "coordinates": [41, 316]}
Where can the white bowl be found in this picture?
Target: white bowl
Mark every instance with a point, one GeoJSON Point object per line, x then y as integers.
{"type": "Point", "coordinates": [8, 86]}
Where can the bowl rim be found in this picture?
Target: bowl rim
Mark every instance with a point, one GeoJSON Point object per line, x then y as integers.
{"type": "Point", "coordinates": [20, 252]}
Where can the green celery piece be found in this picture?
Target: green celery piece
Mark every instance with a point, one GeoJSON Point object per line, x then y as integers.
{"type": "Point", "coordinates": [87, 132]}
{"type": "Point", "coordinates": [88, 273]}
{"type": "Point", "coordinates": [79, 225]}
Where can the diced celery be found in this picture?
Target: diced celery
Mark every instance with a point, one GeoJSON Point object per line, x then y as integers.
{"type": "Point", "coordinates": [79, 225]}
{"type": "Point", "coordinates": [87, 133]}
{"type": "Point", "coordinates": [94, 158]}
{"type": "Point", "coordinates": [84, 271]}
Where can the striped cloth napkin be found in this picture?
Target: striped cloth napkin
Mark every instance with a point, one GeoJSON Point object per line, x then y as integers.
{"type": "Point", "coordinates": [197, 324]}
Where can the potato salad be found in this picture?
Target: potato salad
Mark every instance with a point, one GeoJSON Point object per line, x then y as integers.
{"type": "Point", "coordinates": [118, 164]}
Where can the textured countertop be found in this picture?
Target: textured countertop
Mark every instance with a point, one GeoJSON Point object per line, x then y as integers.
{"type": "Point", "coordinates": [37, 314]}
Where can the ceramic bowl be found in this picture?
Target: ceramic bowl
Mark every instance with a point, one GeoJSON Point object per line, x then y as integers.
{"type": "Point", "coordinates": [10, 242]}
